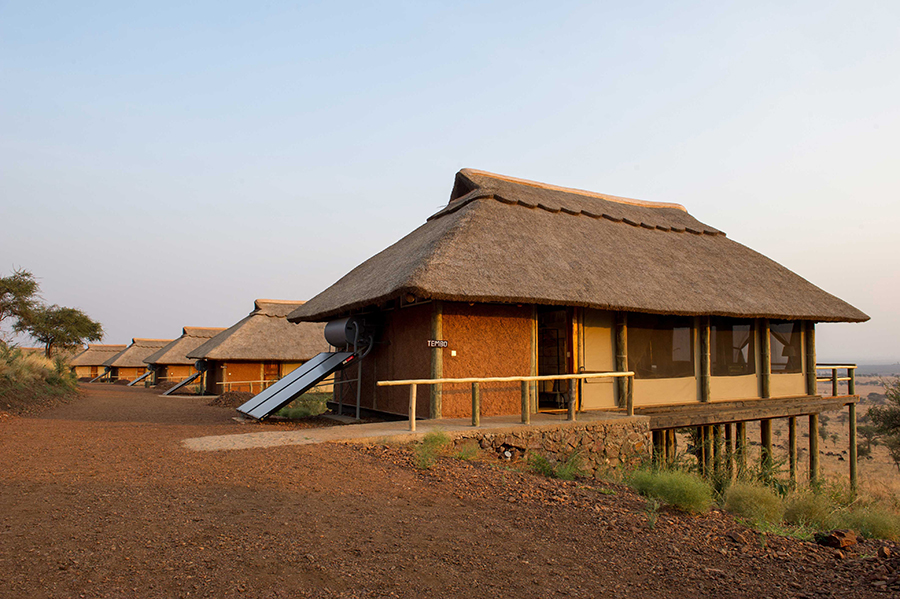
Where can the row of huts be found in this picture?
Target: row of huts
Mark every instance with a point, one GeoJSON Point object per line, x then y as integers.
{"type": "Point", "coordinates": [515, 278]}
{"type": "Point", "coordinates": [248, 356]}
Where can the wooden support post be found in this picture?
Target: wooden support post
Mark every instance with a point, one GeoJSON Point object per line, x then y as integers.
{"type": "Point", "coordinates": [834, 382]}
{"type": "Point", "coordinates": [705, 363]}
{"type": "Point", "coordinates": [765, 441]}
{"type": "Point", "coordinates": [412, 407]}
{"type": "Point", "coordinates": [476, 405]}
{"type": "Point", "coordinates": [701, 455]}
{"type": "Point", "coordinates": [813, 448]}
{"type": "Point", "coordinates": [811, 358]}
{"type": "Point", "coordinates": [622, 386]}
{"type": "Point", "coordinates": [534, 385]}
{"type": "Point", "coordinates": [717, 449]}
{"type": "Point", "coordinates": [851, 384]}
{"type": "Point", "coordinates": [658, 448]}
{"type": "Point", "coordinates": [572, 400]}
{"type": "Point", "coordinates": [526, 403]}
{"type": "Point", "coordinates": [740, 430]}
{"type": "Point", "coordinates": [708, 435]}
{"type": "Point", "coordinates": [437, 360]}
{"type": "Point", "coordinates": [671, 446]}
{"type": "Point", "coordinates": [792, 447]}
{"type": "Point", "coordinates": [729, 451]}
{"type": "Point", "coordinates": [765, 357]}
{"type": "Point", "coordinates": [854, 482]}
{"type": "Point", "coordinates": [629, 395]}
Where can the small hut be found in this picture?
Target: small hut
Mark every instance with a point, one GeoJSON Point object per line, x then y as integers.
{"type": "Point", "coordinates": [515, 278]}
{"type": "Point", "coordinates": [128, 364]}
{"type": "Point", "coordinates": [89, 364]}
{"type": "Point", "coordinates": [171, 363]}
{"type": "Point", "coordinates": [259, 349]}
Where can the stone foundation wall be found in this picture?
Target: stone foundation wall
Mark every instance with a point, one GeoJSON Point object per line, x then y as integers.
{"type": "Point", "coordinates": [601, 446]}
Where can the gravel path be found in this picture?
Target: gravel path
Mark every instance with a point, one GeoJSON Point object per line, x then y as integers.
{"type": "Point", "coordinates": [100, 498]}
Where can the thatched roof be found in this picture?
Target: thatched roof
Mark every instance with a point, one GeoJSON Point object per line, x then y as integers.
{"type": "Point", "coordinates": [501, 239]}
{"type": "Point", "coordinates": [133, 355]}
{"type": "Point", "coordinates": [175, 353]}
{"type": "Point", "coordinates": [96, 355]}
{"type": "Point", "coordinates": [266, 335]}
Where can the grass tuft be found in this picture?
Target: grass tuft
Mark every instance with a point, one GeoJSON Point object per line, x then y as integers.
{"type": "Point", "coordinates": [567, 469]}
{"type": "Point", "coordinates": [425, 453]}
{"type": "Point", "coordinates": [685, 491]}
{"type": "Point", "coordinates": [754, 501]}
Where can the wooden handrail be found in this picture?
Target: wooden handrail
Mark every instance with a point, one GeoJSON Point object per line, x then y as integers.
{"type": "Point", "coordinates": [526, 414]}
{"type": "Point", "coordinates": [835, 379]}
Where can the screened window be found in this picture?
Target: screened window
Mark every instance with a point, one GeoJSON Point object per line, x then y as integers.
{"type": "Point", "coordinates": [786, 347]}
{"type": "Point", "coordinates": [660, 346]}
{"type": "Point", "coordinates": [731, 347]}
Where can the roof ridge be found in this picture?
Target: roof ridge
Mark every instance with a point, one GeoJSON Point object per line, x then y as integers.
{"type": "Point", "coordinates": [279, 301]}
{"type": "Point", "coordinates": [575, 190]}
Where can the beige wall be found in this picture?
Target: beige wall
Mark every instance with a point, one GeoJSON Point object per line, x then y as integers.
{"type": "Point", "coordinates": [598, 354]}
{"type": "Point", "coordinates": [787, 385]}
{"type": "Point", "coordinates": [727, 388]}
{"type": "Point", "coordinates": [651, 392]}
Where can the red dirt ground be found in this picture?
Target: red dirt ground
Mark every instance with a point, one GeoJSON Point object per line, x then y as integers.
{"type": "Point", "coordinates": [99, 499]}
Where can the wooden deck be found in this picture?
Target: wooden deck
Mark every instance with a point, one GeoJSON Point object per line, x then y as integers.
{"type": "Point", "coordinates": [722, 412]}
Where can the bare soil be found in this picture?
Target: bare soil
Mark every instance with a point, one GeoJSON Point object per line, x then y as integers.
{"type": "Point", "coordinates": [99, 499]}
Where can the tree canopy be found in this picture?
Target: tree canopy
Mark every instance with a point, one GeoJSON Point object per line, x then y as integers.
{"type": "Point", "coordinates": [887, 419]}
{"type": "Point", "coordinates": [18, 295]}
{"type": "Point", "coordinates": [58, 327]}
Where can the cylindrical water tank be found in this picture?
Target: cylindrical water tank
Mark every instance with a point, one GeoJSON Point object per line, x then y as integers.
{"type": "Point", "coordinates": [343, 332]}
{"type": "Point", "coordinates": [201, 365]}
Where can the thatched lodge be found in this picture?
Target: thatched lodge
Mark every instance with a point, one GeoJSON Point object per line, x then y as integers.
{"type": "Point", "coordinates": [89, 364]}
{"type": "Point", "coordinates": [128, 364]}
{"type": "Point", "coordinates": [259, 349]}
{"type": "Point", "coordinates": [519, 278]}
{"type": "Point", "coordinates": [171, 363]}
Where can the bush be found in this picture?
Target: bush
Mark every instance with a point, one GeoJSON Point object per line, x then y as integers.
{"type": "Point", "coordinates": [426, 453]}
{"type": "Point", "coordinates": [810, 510]}
{"type": "Point", "coordinates": [754, 501]}
{"type": "Point", "coordinates": [308, 404]}
{"type": "Point", "coordinates": [565, 470]}
{"type": "Point", "coordinates": [685, 491]}
{"type": "Point", "coordinates": [872, 522]}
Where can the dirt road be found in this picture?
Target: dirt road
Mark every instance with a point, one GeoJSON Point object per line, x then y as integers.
{"type": "Point", "coordinates": [98, 498]}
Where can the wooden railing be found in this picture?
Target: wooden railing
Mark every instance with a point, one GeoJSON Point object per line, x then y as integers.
{"type": "Point", "coordinates": [835, 379]}
{"type": "Point", "coordinates": [524, 380]}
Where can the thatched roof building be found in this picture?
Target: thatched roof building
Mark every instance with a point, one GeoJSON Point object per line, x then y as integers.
{"type": "Point", "coordinates": [96, 355]}
{"type": "Point", "coordinates": [176, 352]}
{"type": "Point", "coordinates": [519, 278]}
{"type": "Point", "coordinates": [259, 349]}
{"type": "Point", "coordinates": [133, 355]}
{"type": "Point", "coordinates": [265, 334]}
{"type": "Point", "coordinates": [509, 240]}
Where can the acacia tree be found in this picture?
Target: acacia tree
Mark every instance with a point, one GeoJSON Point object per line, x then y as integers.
{"type": "Point", "coordinates": [886, 419]}
{"type": "Point", "coordinates": [58, 327]}
{"type": "Point", "coordinates": [18, 295]}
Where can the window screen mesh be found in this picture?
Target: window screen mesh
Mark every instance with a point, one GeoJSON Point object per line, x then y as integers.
{"type": "Point", "coordinates": [660, 346]}
{"type": "Point", "coordinates": [786, 347]}
{"type": "Point", "coordinates": [732, 347]}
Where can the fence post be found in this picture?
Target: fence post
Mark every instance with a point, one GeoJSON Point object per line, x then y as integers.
{"type": "Point", "coordinates": [571, 417]}
{"type": "Point", "coordinates": [476, 405]}
{"type": "Point", "coordinates": [526, 407]}
{"type": "Point", "coordinates": [834, 382]}
{"type": "Point", "coordinates": [412, 407]}
{"type": "Point", "coordinates": [629, 395]}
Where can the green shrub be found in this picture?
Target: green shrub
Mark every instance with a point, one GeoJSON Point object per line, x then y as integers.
{"type": "Point", "coordinates": [685, 491]}
{"type": "Point", "coordinates": [810, 510]}
{"type": "Point", "coordinates": [467, 450]}
{"type": "Point", "coordinates": [754, 501]}
{"type": "Point", "coordinates": [567, 469]}
{"type": "Point", "coordinates": [308, 404]}
{"type": "Point", "coordinates": [872, 522]}
{"type": "Point", "coordinates": [425, 453]}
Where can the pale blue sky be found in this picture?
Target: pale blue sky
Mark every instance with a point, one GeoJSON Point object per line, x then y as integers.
{"type": "Point", "coordinates": [164, 165]}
